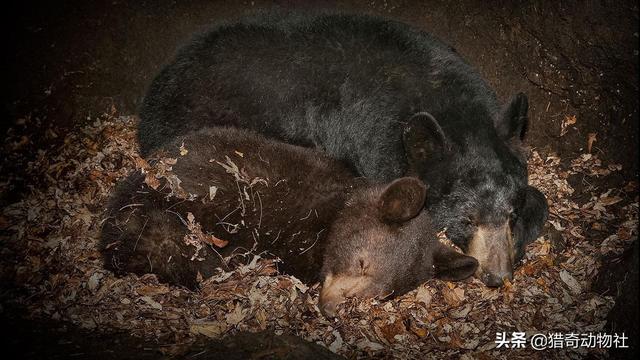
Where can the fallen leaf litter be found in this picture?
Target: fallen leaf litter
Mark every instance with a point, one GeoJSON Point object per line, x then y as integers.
{"type": "Point", "coordinates": [52, 236]}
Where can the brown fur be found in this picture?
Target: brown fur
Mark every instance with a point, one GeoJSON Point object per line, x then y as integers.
{"type": "Point", "coordinates": [382, 244]}
{"type": "Point", "coordinates": [295, 197]}
{"type": "Point", "coordinates": [292, 202]}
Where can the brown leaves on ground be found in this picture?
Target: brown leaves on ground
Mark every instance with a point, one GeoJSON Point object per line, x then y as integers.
{"type": "Point", "coordinates": [195, 232]}
{"type": "Point", "coordinates": [453, 295]}
{"type": "Point", "coordinates": [566, 123]}
{"type": "Point", "coordinates": [52, 235]}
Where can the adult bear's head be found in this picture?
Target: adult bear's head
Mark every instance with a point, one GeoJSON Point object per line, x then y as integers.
{"type": "Point", "coordinates": [478, 184]}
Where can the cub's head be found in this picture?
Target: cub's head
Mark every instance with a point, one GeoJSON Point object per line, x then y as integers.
{"type": "Point", "coordinates": [382, 244]}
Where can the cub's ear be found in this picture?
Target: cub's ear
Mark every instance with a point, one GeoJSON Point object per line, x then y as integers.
{"type": "Point", "coordinates": [512, 123]}
{"type": "Point", "coordinates": [424, 142]}
{"type": "Point", "coordinates": [402, 200]}
{"type": "Point", "coordinates": [451, 265]}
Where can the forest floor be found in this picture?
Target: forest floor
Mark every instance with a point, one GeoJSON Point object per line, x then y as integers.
{"type": "Point", "coordinates": [76, 71]}
{"type": "Point", "coordinates": [50, 255]}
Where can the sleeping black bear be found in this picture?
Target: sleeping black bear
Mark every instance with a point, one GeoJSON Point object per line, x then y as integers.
{"type": "Point", "coordinates": [220, 185]}
{"type": "Point", "coordinates": [386, 98]}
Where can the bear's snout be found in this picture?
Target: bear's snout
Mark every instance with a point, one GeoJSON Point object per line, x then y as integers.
{"type": "Point", "coordinates": [337, 288]}
{"type": "Point", "coordinates": [493, 247]}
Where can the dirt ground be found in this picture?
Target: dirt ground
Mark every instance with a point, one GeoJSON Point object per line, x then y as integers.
{"type": "Point", "coordinates": [76, 70]}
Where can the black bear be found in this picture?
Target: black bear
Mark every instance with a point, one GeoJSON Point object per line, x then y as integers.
{"type": "Point", "coordinates": [218, 193]}
{"type": "Point", "coordinates": [386, 98]}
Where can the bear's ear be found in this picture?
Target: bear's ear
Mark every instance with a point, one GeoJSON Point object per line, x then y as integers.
{"type": "Point", "coordinates": [512, 123]}
{"type": "Point", "coordinates": [402, 200]}
{"type": "Point", "coordinates": [424, 142]}
{"type": "Point", "coordinates": [451, 265]}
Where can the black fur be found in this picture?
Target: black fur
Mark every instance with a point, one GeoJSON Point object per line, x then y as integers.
{"type": "Point", "coordinates": [384, 97]}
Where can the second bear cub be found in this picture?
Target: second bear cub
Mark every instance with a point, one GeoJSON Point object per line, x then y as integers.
{"type": "Point", "coordinates": [219, 193]}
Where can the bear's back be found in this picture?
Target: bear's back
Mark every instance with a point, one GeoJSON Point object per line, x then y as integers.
{"type": "Point", "coordinates": [320, 81]}
{"type": "Point", "coordinates": [237, 186]}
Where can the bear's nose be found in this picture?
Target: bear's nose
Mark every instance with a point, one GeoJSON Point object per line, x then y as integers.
{"type": "Point", "coordinates": [496, 280]}
{"type": "Point", "coordinates": [328, 309]}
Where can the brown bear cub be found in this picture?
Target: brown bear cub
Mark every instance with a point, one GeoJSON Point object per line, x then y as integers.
{"type": "Point", "coordinates": [219, 194]}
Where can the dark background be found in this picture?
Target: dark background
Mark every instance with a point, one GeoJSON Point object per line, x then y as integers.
{"type": "Point", "coordinates": [65, 61]}
{"type": "Point", "coordinates": [68, 59]}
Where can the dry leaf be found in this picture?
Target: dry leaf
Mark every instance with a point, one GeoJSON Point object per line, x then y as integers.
{"type": "Point", "coordinates": [453, 297]}
{"type": "Point", "coordinates": [94, 281]}
{"type": "Point", "coordinates": [573, 284]}
{"type": "Point", "coordinates": [367, 344]}
{"type": "Point", "coordinates": [197, 238]}
{"type": "Point", "coordinates": [608, 201]}
{"type": "Point", "coordinates": [590, 140]}
{"type": "Point", "coordinates": [236, 316]}
{"type": "Point", "coordinates": [151, 181]}
{"type": "Point", "coordinates": [423, 295]}
{"type": "Point", "coordinates": [154, 304]}
{"type": "Point", "coordinates": [337, 342]}
{"type": "Point", "coordinates": [421, 332]}
{"type": "Point", "coordinates": [390, 331]}
{"type": "Point", "coordinates": [566, 122]}
{"type": "Point", "coordinates": [150, 290]}
{"type": "Point", "coordinates": [210, 329]}
{"type": "Point", "coordinates": [215, 241]}
{"type": "Point", "coordinates": [183, 150]}
{"type": "Point", "coordinates": [141, 163]}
